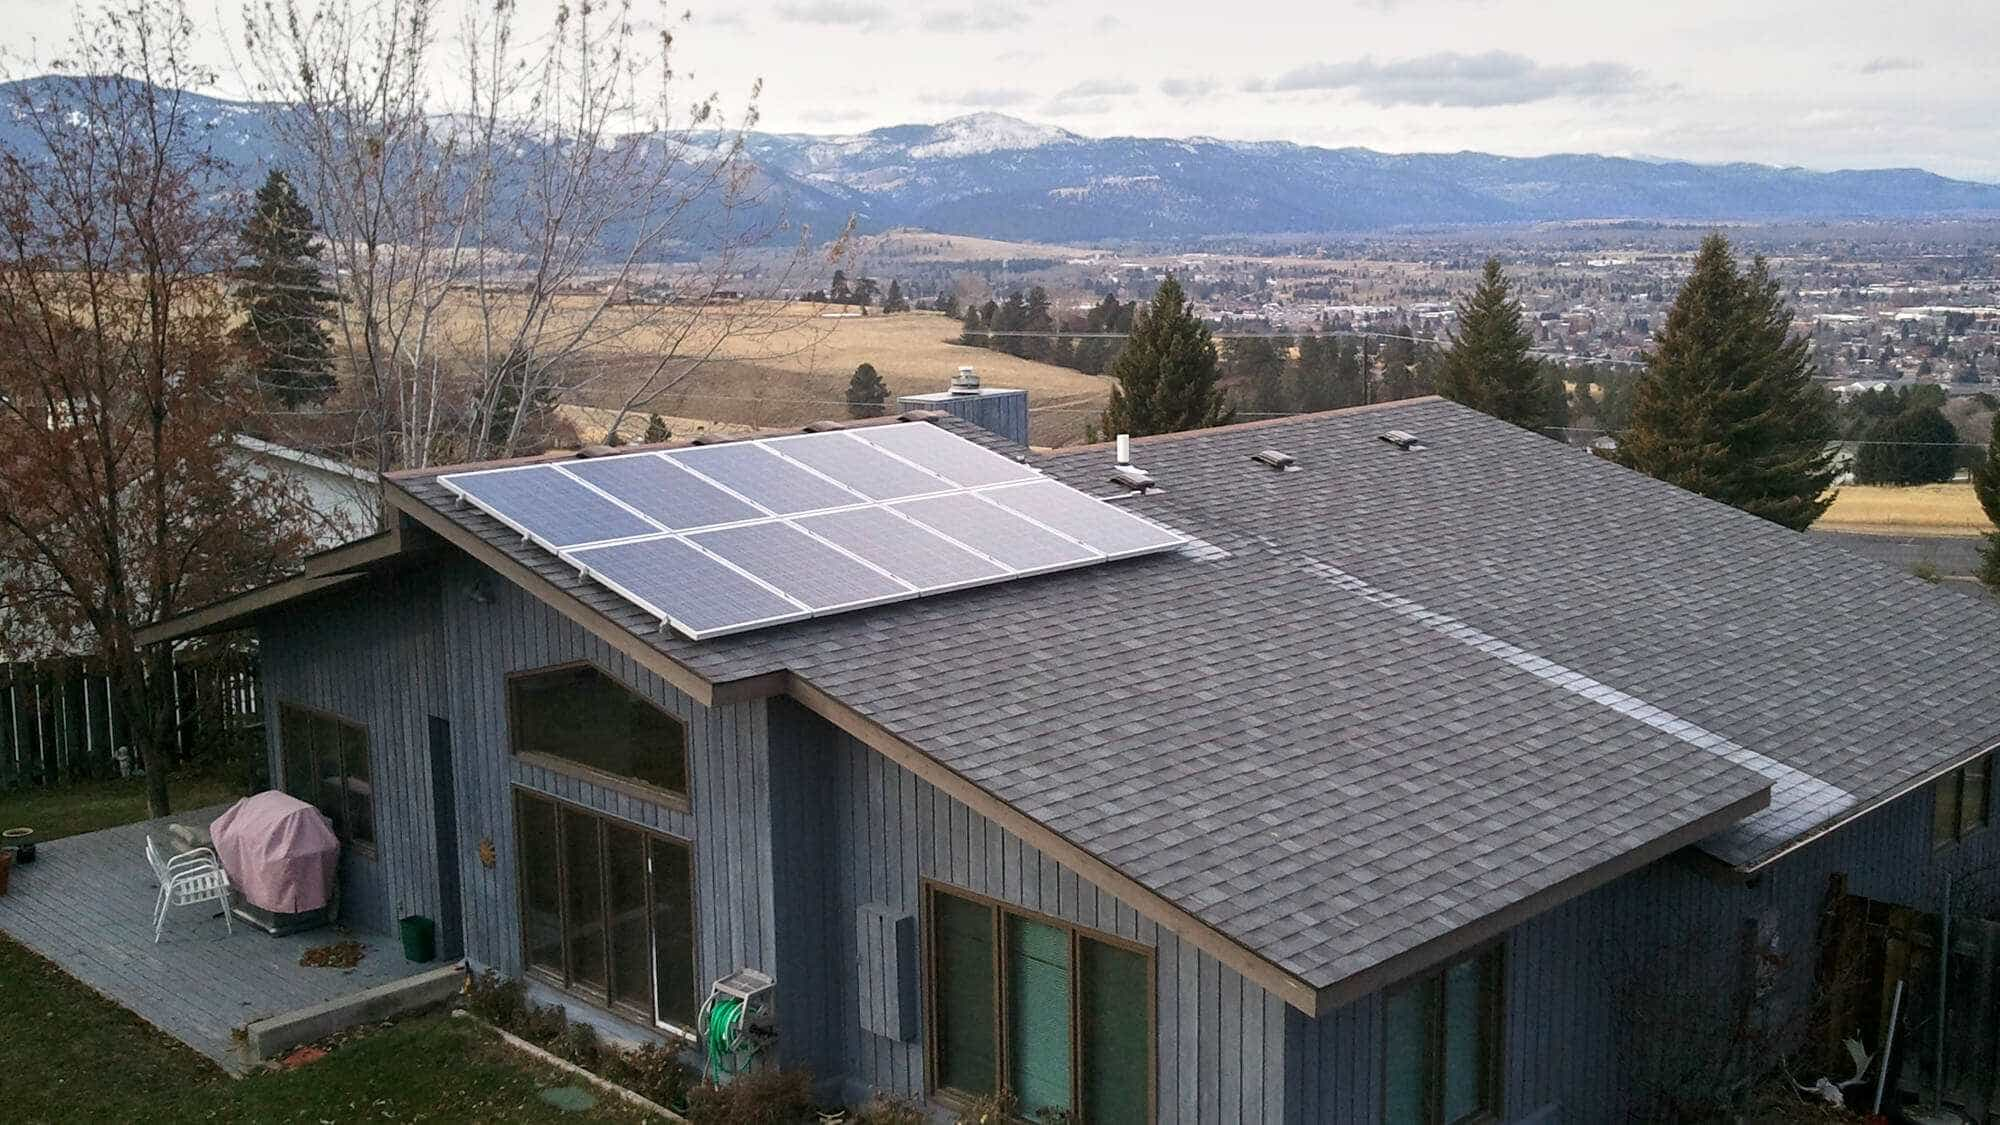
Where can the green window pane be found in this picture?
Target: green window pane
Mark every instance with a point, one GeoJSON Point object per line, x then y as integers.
{"type": "Point", "coordinates": [1465, 1039]}
{"type": "Point", "coordinates": [1113, 1004]}
{"type": "Point", "coordinates": [631, 945]}
{"type": "Point", "coordinates": [583, 716]}
{"type": "Point", "coordinates": [583, 902]}
{"type": "Point", "coordinates": [962, 973]}
{"type": "Point", "coordinates": [673, 934]}
{"type": "Point", "coordinates": [1038, 1014]}
{"type": "Point", "coordinates": [541, 890]}
{"type": "Point", "coordinates": [1406, 1044]}
{"type": "Point", "coordinates": [1973, 791]}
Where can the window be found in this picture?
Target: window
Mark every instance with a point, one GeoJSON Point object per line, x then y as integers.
{"type": "Point", "coordinates": [580, 720]}
{"type": "Point", "coordinates": [326, 765]}
{"type": "Point", "coordinates": [1962, 801]}
{"type": "Point", "coordinates": [607, 910]}
{"type": "Point", "coordinates": [1060, 1016]}
{"type": "Point", "coordinates": [1441, 1045]}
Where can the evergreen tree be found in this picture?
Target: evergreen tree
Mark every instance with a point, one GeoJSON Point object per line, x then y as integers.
{"type": "Point", "coordinates": [1918, 446]}
{"type": "Point", "coordinates": [1986, 483]}
{"type": "Point", "coordinates": [1036, 316]}
{"type": "Point", "coordinates": [1012, 317]}
{"type": "Point", "coordinates": [1490, 364]}
{"type": "Point", "coordinates": [838, 293]}
{"type": "Point", "coordinates": [948, 304]}
{"type": "Point", "coordinates": [893, 301]}
{"type": "Point", "coordinates": [1727, 406]}
{"type": "Point", "coordinates": [971, 336]}
{"type": "Point", "coordinates": [1255, 366]}
{"type": "Point", "coordinates": [1166, 374]}
{"type": "Point", "coordinates": [1314, 375]}
{"type": "Point", "coordinates": [1350, 374]}
{"type": "Point", "coordinates": [866, 393]}
{"type": "Point", "coordinates": [285, 305]}
{"type": "Point", "coordinates": [656, 430]}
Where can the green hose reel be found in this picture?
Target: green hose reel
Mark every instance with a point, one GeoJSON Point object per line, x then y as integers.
{"type": "Point", "coordinates": [736, 1022]}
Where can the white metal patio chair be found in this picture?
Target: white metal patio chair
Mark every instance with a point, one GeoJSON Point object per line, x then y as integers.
{"type": "Point", "coordinates": [185, 880]}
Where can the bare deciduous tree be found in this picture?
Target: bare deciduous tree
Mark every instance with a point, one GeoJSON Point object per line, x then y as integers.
{"type": "Point", "coordinates": [121, 499]}
{"type": "Point", "coordinates": [514, 216]}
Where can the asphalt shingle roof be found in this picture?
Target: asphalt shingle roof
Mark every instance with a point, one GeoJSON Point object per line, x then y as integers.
{"type": "Point", "coordinates": [1398, 691]}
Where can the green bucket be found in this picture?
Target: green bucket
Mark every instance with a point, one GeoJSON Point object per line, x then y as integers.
{"type": "Point", "coordinates": [419, 938]}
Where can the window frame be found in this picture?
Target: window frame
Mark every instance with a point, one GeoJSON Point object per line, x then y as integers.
{"type": "Point", "coordinates": [344, 831]}
{"type": "Point", "coordinates": [1494, 1021]}
{"type": "Point", "coordinates": [630, 786]}
{"type": "Point", "coordinates": [929, 890]}
{"type": "Point", "coordinates": [586, 993]}
{"type": "Point", "coordinates": [1953, 782]}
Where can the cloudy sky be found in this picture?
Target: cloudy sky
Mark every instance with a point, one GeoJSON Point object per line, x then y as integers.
{"type": "Point", "coordinates": [1820, 83]}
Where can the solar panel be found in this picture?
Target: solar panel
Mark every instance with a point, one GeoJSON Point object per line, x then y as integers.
{"type": "Point", "coordinates": [865, 468]}
{"type": "Point", "coordinates": [546, 505]}
{"type": "Point", "coordinates": [694, 592]}
{"type": "Point", "coordinates": [753, 472]}
{"type": "Point", "coordinates": [724, 538]}
{"type": "Point", "coordinates": [905, 548]}
{"type": "Point", "coordinates": [664, 491]}
{"type": "Point", "coordinates": [951, 457]}
{"type": "Point", "coordinates": [995, 532]}
{"type": "Point", "coordinates": [801, 566]}
{"type": "Point", "coordinates": [1110, 529]}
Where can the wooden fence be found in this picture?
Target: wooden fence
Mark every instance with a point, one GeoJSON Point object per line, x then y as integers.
{"type": "Point", "coordinates": [58, 724]}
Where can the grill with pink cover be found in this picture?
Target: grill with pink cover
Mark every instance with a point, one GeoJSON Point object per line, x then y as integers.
{"type": "Point", "coordinates": [279, 852]}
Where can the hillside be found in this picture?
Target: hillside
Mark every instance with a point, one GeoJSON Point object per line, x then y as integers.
{"type": "Point", "coordinates": [997, 177]}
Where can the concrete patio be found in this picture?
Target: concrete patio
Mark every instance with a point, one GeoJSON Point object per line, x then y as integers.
{"type": "Point", "coordinates": [86, 903]}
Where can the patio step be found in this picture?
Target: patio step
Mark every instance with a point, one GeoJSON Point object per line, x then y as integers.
{"type": "Point", "coordinates": [272, 1036]}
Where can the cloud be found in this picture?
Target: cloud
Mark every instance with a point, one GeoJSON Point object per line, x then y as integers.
{"type": "Point", "coordinates": [1099, 88]}
{"type": "Point", "coordinates": [1449, 78]}
{"type": "Point", "coordinates": [990, 97]}
{"type": "Point", "coordinates": [997, 17]}
{"type": "Point", "coordinates": [1187, 89]}
{"type": "Point", "coordinates": [859, 14]}
{"type": "Point", "coordinates": [1883, 64]}
{"type": "Point", "coordinates": [1107, 24]}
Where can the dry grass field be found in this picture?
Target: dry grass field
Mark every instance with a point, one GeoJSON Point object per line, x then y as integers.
{"type": "Point", "coordinates": [785, 365]}
{"type": "Point", "coordinates": [1929, 509]}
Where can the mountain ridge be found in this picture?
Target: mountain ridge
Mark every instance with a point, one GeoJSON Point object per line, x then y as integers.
{"type": "Point", "coordinates": [998, 176]}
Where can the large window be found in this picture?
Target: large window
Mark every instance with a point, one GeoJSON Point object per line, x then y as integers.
{"type": "Point", "coordinates": [1060, 1016]}
{"type": "Point", "coordinates": [607, 910]}
{"type": "Point", "coordinates": [326, 765]}
{"type": "Point", "coordinates": [1441, 1045]}
{"type": "Point", "coordinates": [576, 718]}
{"type": "Point", "coordinates": [1963, 801]}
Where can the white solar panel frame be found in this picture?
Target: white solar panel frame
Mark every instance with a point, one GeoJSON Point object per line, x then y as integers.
{"type": "Point", "coordinates": [804, 612]}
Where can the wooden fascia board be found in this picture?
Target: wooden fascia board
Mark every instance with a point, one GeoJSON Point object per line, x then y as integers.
{"type": "Point", "coordinates": [688, 681]}
{"type": "Point", "coordinates": [231, 612]}
{"type": "Point", "coordinates": [1441, 949]}
{"type": "Point", "coordinates": [1293, 990]}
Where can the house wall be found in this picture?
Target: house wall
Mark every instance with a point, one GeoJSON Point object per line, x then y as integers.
{"type": "Point", "coordinates": [371, 656]}
{"type": "Point", "coordinates": [862, 831]}
{"type": "Point", "coordinates": [1576, 1029]}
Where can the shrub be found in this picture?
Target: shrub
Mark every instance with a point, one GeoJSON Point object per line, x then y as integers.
{"type": "Point", "coordinates": [891, 1109]}
{"type": "Point", "coordinates": [1001, 1108]}
{"type": "Point", "coordinates": [581, 1046]}
{"type": "Point", "coordinates": [499, 1002]}
{"type": "Point", "coordinates": [760, 1097]}
{"type": "Point", "coordinates": [651, 1071]}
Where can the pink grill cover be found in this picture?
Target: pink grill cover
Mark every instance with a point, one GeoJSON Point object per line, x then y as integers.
{"type": "Point", "coordinates": [279, 852]}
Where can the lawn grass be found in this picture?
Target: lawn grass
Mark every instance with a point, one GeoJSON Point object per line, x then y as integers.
{"type": "Point", "coordinates": [86, 806]}
{"type": "Point", "coordinates": [70, 1055]}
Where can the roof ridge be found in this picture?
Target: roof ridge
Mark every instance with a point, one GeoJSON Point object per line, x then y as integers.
{"type": "Point", "coordinates": [1256, 424]}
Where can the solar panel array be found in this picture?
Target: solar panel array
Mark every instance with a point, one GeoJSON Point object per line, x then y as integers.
{"type": "Point", "coordinates": [719, 539]}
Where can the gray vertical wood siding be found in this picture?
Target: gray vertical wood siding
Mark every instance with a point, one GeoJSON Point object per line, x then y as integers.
{"type": "Point", "coordinates": [1221, 1039]}
{"type": "Point", "coordinates": [371, 656]}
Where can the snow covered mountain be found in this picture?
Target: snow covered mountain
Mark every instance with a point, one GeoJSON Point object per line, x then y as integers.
{"type": "Point", "coordinates": [998, 176]}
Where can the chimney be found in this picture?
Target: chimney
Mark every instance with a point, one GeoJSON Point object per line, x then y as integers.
{"type": "Point", "coordinates": [1001, 411]}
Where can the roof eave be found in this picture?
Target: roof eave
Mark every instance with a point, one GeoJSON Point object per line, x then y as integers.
{"type": "Point", "coordinates": [324, 570]}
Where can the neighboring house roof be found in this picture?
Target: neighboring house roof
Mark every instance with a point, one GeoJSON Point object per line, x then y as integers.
{"type": "Point", "coordinates": [1396, 701]}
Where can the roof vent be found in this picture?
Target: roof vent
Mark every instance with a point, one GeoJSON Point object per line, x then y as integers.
{"type": "Point", "coordinates": [597, 451]}
{"type": "Point", "coordinates": [966, 382]}
{"type": "Point", "coordinates": [706, 438]}
{"type": "Point", "coordinates": [823, 425]}
{"type": "Point", "coordinates": [1125, 472]}
{"type": "Point", "coordinates": [1401, 439]}
{"type": "Point", "coordinates": [1275, 458]}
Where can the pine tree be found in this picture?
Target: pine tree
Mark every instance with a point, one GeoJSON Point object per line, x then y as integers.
{"type": "Point", "coordinates": [1918, 446]}
{"type": "Point", "coordinates": [838, 293]}
{"type": "Point", "coordinates": [893, 301]}
{"type": "Point", "coordinates": [1986, 483]}
{"type": "Point", "coordinates": [1012, 317]}
{"type": "Point", "coordinates": [1036, 316]}
{"type": "Point", "coordinates": [948, 305]}
{"type": "Point", "coordinates": [1166, 374]}
{"type": "Point", "coordinates": [1256, 367]}
{"type": "Point", "coordinates": [971, 337]}
{"type": "Point", "coordinates": [1727, 406]}
{"type": "Point", "coordinates": [285, 304]}
{"type": "Point", "coordinates": [1490, 364]}
{"type": "Point", "coordinates": [866, 393]}
{"type": "Point", "coordinates": [656, 430]}
{"type": "Point", "coordinates": [1314, 374]}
